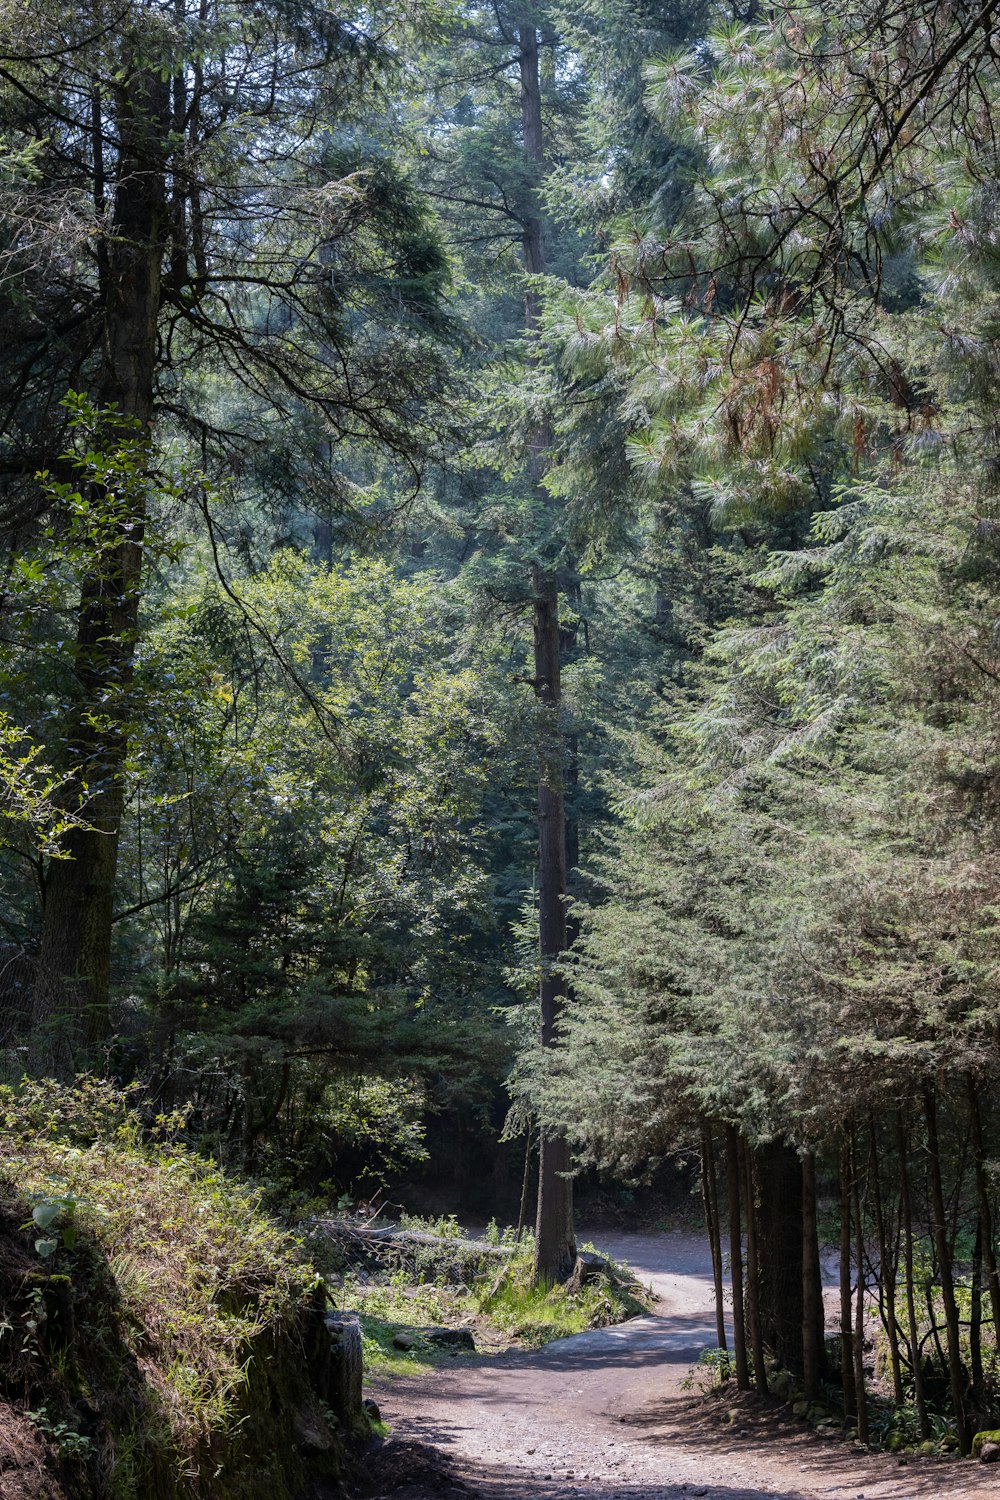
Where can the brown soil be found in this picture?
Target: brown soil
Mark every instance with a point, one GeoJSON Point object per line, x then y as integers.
{"type": "Point", "coordinates": [608, 1414]}
{"type": "Point", "coordinates": [24, 1461]}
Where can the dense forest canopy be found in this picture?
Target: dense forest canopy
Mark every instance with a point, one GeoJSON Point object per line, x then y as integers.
{"type": "Point", "coordinates": [500, 558]}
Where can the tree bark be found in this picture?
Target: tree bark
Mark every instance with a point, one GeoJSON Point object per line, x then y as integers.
{"type": "Point", "coordinates": [71, 1003]}
{"type": "Point", "coordinates": [859, 1304]}
{"type": "Point", "coordinates": [736, 1257]}
{"type": "Point", "coordinates": [919, 1399]}
{"type": "Point", "coordinates": [779, 1245]}
{"type": "Point", "coordinates": [888, 1262]}
{"type": "Point", "coordinates": [710, 1193]}
{"type": "Point", "coordinates": [938, 1222]}
{"type": "Point", "coordinates": [976, 1323]}
{"type": "Point", "coordinates": [813, 1361]}
{"type": "Point", "coordinates": [753, 1276]}
{"type": "Point", "coordinates": [846, 1330]}
{"type": "Point", "coordinates": [555, 1241]}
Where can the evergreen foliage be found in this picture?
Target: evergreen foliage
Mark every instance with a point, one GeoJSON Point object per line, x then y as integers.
{"type": "Point", "coordinates": [500, 503]}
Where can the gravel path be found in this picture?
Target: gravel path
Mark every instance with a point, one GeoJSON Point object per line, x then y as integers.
{"type": "Point", "coordinates": [605, 1414]}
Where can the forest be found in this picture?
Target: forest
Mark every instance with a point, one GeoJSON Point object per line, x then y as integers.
{"type": "Point", "coordinates": [500, 653]}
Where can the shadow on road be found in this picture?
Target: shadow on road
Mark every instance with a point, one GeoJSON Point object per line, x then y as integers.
{"type": "Point", "coordinates": [410, 1470]}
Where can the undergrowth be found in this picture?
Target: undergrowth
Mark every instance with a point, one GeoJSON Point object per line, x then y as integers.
{"type": "Point", "coordinates": [495, 1298]}
{"type": "Point", "coordinates": [533, 1315]}
{"type": "Point", "coordinates": [400, 1305]}
{"type": "Point", "coordinates": [160, 1296]}
{"type": "Point", "coordinates": [445, 1226]}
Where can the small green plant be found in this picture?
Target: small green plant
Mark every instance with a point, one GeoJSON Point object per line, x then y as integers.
{"type": "Point", "coordinates": [34, 1319]}
{"type": "Point", "coordinates": [718, 1361]}
{"type": "Point", "coordinates": [943, 1431]}
{"type": "Point", "coordinates": [67, 1440]}
{"type": "Point", "coordinates": [44, 1216]}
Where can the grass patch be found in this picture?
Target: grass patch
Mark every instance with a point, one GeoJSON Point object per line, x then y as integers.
{"type": "Point", "coordinates": [496, 1301]}
{"type": "Point", "coordinates": [160, 1326]}
{"type": "Point", "coordinates": [445, 1226]}
{"type": "Point", "coordinates": [382, 1357]}
{"type": "Point", "coordinates": [534, 1315]}
{"type": "Point", "coordinates": [409, 1305]}
{"type": "Point", "coordinates": [399, 1305]}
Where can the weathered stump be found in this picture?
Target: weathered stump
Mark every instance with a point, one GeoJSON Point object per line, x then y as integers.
{"type": "Point", "coordinates": [344, 1372]}
{"type": "Point", "coordinates": [590, 1267]}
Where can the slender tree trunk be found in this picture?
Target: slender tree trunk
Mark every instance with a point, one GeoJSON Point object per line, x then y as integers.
{"type": "Point", "coordinates": [976, 1322]}
{"type": "Point", "coordinates": [812, 1285]}
{"type": "Point", "coordinates": [919, 1399]}
{"type": "Point", "coordinates": [753, 1276]}
{"type": "Point", "coordinates": [70, 1011]}
{"type": "Point", "coordinates": [942, 1357]}
{"type": "Point", "coordinates": [955, 1375]}
{"type": "Point", "coordinates": [522, 1214]}
{"type": "Point", "coordinates": [859, 1306]}
{"type": "Point", "coordinates": [736, 1257]}
{"type": "Point", "coordinates": [888, 1260]}
{"type": "Point", "coordinates": [985, 1209]}
{"type": "Point", "coordinates": [555, 1241]}
{"type": "Point", "coordinates": [710, 1191]}
{"type": "Point", "coordinates": [532, 231]}
{"type": "Point", "coordinates": [846, 1333]}
{"type": "Point", "coordinates": [712, 1229]}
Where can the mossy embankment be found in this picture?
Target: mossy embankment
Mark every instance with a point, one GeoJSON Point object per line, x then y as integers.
{"type": "Point", "coordinates": [160, 1336]}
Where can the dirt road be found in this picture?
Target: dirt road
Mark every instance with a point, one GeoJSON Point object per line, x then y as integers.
{"type": "Point", "coordinates": [606, 1414]}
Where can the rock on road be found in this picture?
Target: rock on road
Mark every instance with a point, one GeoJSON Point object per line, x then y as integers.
{"type": "Point", "coordinates": [606, 1414]}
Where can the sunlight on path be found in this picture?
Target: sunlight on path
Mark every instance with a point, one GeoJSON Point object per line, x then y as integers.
{"type": "Point", "coordinates": [605, 1414]}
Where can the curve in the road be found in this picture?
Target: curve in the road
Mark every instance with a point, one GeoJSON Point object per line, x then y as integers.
{"type": "Point", "coordinates": [606, 1414]}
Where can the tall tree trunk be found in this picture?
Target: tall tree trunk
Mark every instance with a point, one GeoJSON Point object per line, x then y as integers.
{"type": "Point", "coordinates": [522, 1213]}
{"type": "Point", "coordinates": [555, 1242]}
{"type": "Point", "coordinates": [943, 1250]}
{"type": "Point", "coordinates": [753, 1276]}
{"type": "Point", "coordinates": [976, 1324]}
{"type": "Point", "coordinates": [859, 1305]}
{"type": "Point", "coordinates": [985, 1209]}
{"type": "Point", "coordinates": [846, 1330]}
{"type": "Point", "coordinates": [569, 632]}
{"type": "Point", "coordinates": [779, 1244]}
{"type": "Point", "coordinates": [710, 1192]}
{"type": "Point", "coordinates": [813, 1361]}
{"type": "Point", "coordinates": [888, 1261]}
{"type": "Point", "coordinates": [70, 1012]}
{"type": "Point", "coordinates": [906, 1213]}
{"type": "Point", "coordinates": [736, 1257]}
